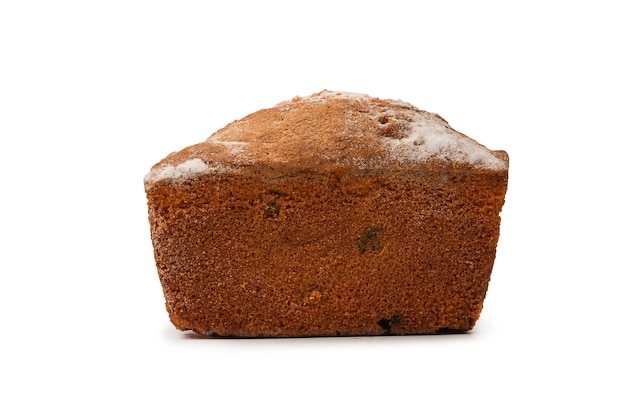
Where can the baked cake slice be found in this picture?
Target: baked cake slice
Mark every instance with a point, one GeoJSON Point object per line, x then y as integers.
{"type": "Point", "coordinates": [333, 214]}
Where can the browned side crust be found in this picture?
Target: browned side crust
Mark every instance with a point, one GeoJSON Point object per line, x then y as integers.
{"type": "Point", "coordinates": [269, 252]}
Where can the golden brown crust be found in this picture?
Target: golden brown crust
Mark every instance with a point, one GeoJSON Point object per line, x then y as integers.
{"type": "Point", "coordinates": [329, 129]}
{"type": "Point", "coordinates": [317, 247]}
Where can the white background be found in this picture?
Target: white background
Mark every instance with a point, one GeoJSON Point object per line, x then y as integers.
{"type": "Point", "coordinates": [92, 94]}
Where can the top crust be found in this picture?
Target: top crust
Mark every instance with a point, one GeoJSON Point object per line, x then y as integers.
{"type": "Point", "coordinates": [331, 129]}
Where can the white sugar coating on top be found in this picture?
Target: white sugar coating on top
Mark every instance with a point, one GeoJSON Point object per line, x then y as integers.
{"type": "Point", "coordinates": [180, 172]}
{"type": "Point", "coordinates": [341, 95]}
{"type": "Point", "coordinates": [426, 135]}
{"type": "Point", "coordinates": [336, 94]}
{"type": "Point", "coordinates": [429, 136]}
{"type": "Point", "coordinates": [327, 94]}
{"type": "Point", "coordinates": [410, 136]}
{"type": "Point", "coordinates": [235, 147]}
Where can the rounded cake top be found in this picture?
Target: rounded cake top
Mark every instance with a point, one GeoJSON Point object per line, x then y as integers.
{"type": "Point", "coordinates": [330, 129]}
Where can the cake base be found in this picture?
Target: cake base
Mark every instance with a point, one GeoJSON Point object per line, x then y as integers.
{"type": "Point", "coordinates": [271, 252]}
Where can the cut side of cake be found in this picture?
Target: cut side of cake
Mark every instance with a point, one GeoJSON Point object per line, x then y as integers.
{"type": "Point", "coordinates": [335, 214]}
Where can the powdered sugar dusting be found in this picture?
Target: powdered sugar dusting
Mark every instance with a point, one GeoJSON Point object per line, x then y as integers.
{"type": "Point", "coordinates": [353, 134]}
{"type": "Point", "coordinates": [429, 136]}
{"type": "Point", "coordinates": [235, 147]}
{"type": "Point", "coordinates": [180, 172]}
{"type": "Point", "coordinates": [326, 94]}
{"type": "Point", "coordinates": [238, 149]}
{"type": "Point", "coordinates": [418, 135]}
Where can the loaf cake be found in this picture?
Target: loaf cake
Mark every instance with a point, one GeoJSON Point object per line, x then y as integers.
{"type": "Point", "coordinates": [335, 214]}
